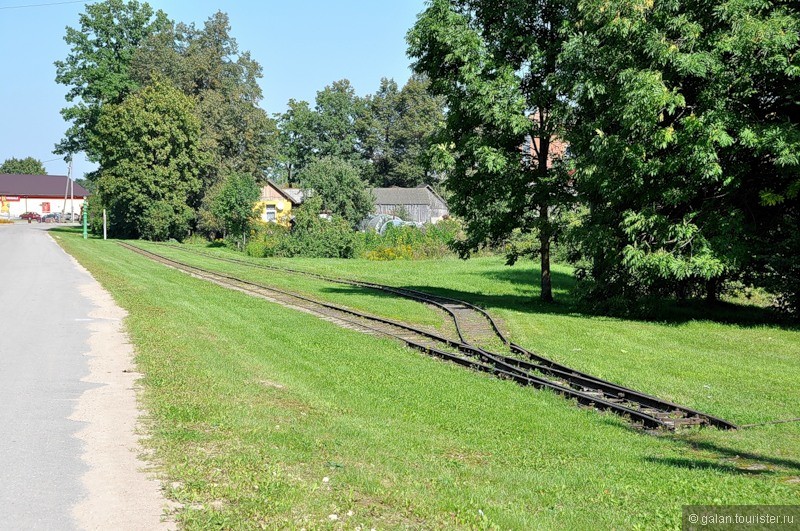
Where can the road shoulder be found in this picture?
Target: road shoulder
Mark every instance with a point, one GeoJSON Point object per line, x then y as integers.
{"type": "Point", "coordinates": [122, 490]}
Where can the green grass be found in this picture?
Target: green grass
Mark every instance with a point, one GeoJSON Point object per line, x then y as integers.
{"type": "Point", "coordinates": [357, 298]}
{"type": "Point", "coordinates": [252, 406]}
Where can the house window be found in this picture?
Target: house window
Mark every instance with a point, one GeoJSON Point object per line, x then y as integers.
{"type": "Point", "coordinates": [271, 213]}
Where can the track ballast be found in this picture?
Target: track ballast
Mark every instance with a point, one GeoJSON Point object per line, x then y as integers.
{"type": "Point", "coordinates": [471, 322]}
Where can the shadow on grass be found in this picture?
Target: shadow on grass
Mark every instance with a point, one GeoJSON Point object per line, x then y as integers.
{"type": "Point", "coordinates": [705, 464]}
{"type": "Point", "coordinates": [732, 461]}
{"type": "Point", "coordinates": [663, 311]}
{"type": "Point", "coordinates": [74, 230]}
{"type": "Point", "coordinates": [668, 312]}
{"type": "Point", "coordinates": [524, 298]}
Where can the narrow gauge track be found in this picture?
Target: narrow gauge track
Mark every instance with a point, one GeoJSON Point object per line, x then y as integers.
{"type": "Point", "coordinates": [460, 310]}
{"type": "Point", "coordinates": [647, 410]}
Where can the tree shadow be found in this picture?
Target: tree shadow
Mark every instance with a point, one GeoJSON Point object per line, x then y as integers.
{"type": "Point", "coordinates": [705, 464]}
{"type": "Point", "coordinates": [668, 312]}
{"type": "Point", "coordinates": [362, 291]}
{"type": "Point", "coordinates": [523, 297]}
{"type": "Point", "coordinates": [728, 460]}
{"type": "Point", "coordinates": [65, 229]}
{"type": "Point", "coordinates": [717, 458]}
{"type": "Point", "coordinates": [529, 278]}
{"type": "Point", "coordinates": [71, 229]}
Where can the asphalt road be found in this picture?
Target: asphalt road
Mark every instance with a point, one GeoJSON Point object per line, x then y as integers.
{"type": "Point", "coordinates": [43, 338]}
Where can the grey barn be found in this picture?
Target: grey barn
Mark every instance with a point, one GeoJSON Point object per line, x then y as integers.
{"type": "Point", "coordinates": [422, 204]}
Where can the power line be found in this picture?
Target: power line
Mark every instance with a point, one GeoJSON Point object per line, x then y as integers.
{"type": "Point", "coordinates": [43, 5]}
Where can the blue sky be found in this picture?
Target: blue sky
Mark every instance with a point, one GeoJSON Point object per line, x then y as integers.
{"type": "Point", "coordinates": [302, 46]}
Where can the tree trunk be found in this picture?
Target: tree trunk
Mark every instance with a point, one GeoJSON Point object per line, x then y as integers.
{"type": "Point", "coordinates": [712, 286]}
{"type": "Point", "coordinates": [681, 292]}
{"type": "Point", "coordinates": [545, 231]}
{"type": "Point", "coordinates": [544, 253]}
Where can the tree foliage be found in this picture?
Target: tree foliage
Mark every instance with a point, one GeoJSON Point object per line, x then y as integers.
{"type": "Point", "coordinates": [685, 140]}
{"type": "Point", "coordinates": [97, 69]}
{"type": "Point", "coordinates": [337, 184]}
{"type": "Point", "coordinates": [495, 63]}
{"type": "Point", "coordinates": [122, 47]}
{"type": "Point", "coordinates": [233, 204]}
{"type": "Point", "coordinates": [206, 64]}
{"type": "Point", "coordinates": [298, 141]}
{"type": "Point", "coordinates": [386, 135]}
{"type": "Point", "coordinates": [337, 110]}
{"type": "Point", "coordinates": [396, 131]}
{"type": "Point", "coordinates": [27, 166]}
{"type": "Point", "coordinates": [150, 159]}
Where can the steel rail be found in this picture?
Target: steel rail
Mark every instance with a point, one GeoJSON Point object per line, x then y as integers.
{"type": "Point", "coordinates": [404, 292]}
{"type": "Point", "coordinates": [541, 364]}
{"type": "Point", "coordinates": [600, 392]}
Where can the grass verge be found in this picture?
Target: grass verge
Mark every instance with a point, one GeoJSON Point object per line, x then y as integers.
{"type": "Point", "coordinates": [266, 417]}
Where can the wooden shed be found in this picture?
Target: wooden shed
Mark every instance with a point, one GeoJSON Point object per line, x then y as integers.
{"type": "Point", "coordinates": [420, 204]}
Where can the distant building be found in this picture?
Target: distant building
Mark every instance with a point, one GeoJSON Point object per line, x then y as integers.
{"type": "Point", "coordinates": [420, 204]}
{"type": "Point", "coordinates": [557, 148]}
{"type": "Point", "coordinates": [275, 203]}
{"type": "Point", "coordinates": [42, 194]}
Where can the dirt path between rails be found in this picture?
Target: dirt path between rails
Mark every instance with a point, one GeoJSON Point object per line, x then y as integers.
{"type": "Point", "coordinates": [121, 493]}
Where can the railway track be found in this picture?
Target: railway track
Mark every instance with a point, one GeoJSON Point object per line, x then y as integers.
{"type": "Point", "coordinates": [535, 370]}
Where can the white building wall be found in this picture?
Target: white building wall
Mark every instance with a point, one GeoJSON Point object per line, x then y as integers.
{"type": "Point", "coordinates": [34, 204]}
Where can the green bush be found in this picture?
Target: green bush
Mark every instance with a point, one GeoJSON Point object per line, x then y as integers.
{"type": "Point", "coordinates": [94, 208]}
{"type": "Point", "coordinates": [314, 237]}
{"type": "Point", "coordinates": [398, 252]}
{"type": "Point", "coordinates": [268, 240]}
{"type": "Point", "coordinates": [196, 239]}
{"type": "Point", "coordinates": [407, 242]}
{"type": "Point", "coordinates": [311, 237]}
{"type": "Point", "coordinates": [163, 220]}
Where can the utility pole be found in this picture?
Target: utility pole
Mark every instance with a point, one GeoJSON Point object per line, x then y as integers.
{"type": "Point", "coordinates": [66, 191]}
{"type": "Point", "coordinates": [71, 193]}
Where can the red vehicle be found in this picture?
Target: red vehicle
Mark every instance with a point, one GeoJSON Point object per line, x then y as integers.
{"type": "Point", "coordinates": [31, 215]}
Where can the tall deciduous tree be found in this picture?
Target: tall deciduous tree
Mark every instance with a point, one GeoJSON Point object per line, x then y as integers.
{"type": "Point", "coordinates": [150, 159]}
{"type": "Point", "coordinates": [328, 130]}
{"type": "Point", "coordinates": [397, 130]}
{"type": "Point", "coordinates": [297, 140]}
{"type": "Point", "coordinates": [337, 110]}
{"type": "Point", "coordinates": [206, 63]}
{"type": "Point", "coordinates": [28, 166]}
{"type": "Point", "coordinates": [336, 182]}
{"type": "Point", "coordinates": [686, 142]}
{"type": "Point", "coordinates": [377, 129]}
{"type": "Point", "coordinates": [495, 63]}
{"type": "Point", "coordinates": [97, 69]}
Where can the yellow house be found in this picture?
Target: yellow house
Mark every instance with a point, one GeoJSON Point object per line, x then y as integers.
{"type": "Point", "coordinates": [275, 204]}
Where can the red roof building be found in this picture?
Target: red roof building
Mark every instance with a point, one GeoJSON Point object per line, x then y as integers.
{"type": "Point", "coordinates": [39, 193]}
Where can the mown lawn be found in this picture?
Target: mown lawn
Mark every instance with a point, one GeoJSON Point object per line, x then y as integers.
{"type": "Point", "coordinates": [263, 416]}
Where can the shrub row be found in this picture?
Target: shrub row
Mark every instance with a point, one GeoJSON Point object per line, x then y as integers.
{"type": "Point", "coordinates": [317, 238]}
